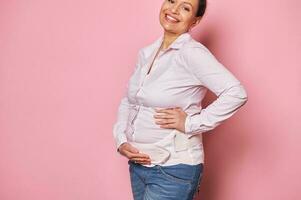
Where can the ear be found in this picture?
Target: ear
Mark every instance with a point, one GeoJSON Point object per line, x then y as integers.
{"type": "Point", "coordinates": [198, 19]}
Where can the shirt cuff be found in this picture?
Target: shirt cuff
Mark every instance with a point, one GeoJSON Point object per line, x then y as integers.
{"type": "Point", "coordinates": [120, 140]}
{"type": "Point", "coordinates": [190, 127]}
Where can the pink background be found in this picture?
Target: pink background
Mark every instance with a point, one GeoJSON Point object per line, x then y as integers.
{"type": "Point", "coordinates": [63, 69]}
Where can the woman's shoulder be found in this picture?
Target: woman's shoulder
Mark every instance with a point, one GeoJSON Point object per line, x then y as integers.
{"type": "Point", "coordinates": [195, 46]}
{"type": "Point", "coordinates": [194, 54]}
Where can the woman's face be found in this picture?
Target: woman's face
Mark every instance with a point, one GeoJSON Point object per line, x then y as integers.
{"type": "Point", "coordinates": [178, 16]}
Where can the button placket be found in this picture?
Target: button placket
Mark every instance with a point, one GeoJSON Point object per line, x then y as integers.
{"type": "Point", "coordinates": [138, 104]}
{"type": "Point", "coordinates": [136, 109]}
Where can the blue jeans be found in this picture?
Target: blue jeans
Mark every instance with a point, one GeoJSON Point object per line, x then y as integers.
{"type": "Point", "coordinates": [176, 182]}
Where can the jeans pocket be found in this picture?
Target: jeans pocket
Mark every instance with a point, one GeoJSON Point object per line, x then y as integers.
{"type": "Point", "coordinates": [174, 174]}
{"type": "Point", "coordinates": [199, 182]}
{"type": "Point", "coordinates": [130, 165]}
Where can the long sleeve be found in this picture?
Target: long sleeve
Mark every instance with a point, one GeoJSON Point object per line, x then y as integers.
{"type": "Point", "coordinates": [211, 74]}
{"type": "Point", "coordinates": [120, 125]}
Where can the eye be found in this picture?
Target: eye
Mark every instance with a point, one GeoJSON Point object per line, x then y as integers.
{"type": "Point", "coordinates": [171, 1]}
{"type": "Point", "coordinates": [186, 8]}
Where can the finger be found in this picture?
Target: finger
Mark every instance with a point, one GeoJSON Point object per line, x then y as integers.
{"type": "Point", "coordinates": [170, 108]}
{"type": "Point", "coordinates": [133, 149]}
{"type": "Point", "coordinates": [138, 155]}
{"type": "Point", "coordinates": [144, 163]}
{"type": "Point", "coordinates": [165, 116]}
{"type": "Point", "coordinates": [165, 121]}
{"type": "Point", "coordinates": [166, 110]}
{"type": "Point", "coordinates": [141, 160]}
{"type": "Point", "coordinates": [171, 126]}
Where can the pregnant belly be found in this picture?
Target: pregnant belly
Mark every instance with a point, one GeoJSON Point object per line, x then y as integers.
{"type": "Point", "coordinates": [145, 128]}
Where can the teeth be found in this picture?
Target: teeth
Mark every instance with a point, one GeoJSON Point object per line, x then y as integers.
{"type": "Point", "coordinates": [171, 18]}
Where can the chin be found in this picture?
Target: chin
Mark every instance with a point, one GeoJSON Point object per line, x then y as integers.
{"type": "Point", "coordinates": [170, 31]}
{"type": "Point", "coordinates": [167, 27]}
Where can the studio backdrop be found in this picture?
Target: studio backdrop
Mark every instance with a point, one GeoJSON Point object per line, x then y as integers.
{"type": "Point", "coordinates": [64, 66]}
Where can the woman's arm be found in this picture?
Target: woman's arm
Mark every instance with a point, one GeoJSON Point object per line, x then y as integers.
{"type": "Point", "coordinates": [211, 74]}
{"type": "Point", "coordinates": [123, 112]}
{"type": "Point", "coordinates": [120, 125]}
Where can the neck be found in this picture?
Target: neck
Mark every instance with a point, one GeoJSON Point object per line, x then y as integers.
{"type": "Point", "coordinates": [168, 39]}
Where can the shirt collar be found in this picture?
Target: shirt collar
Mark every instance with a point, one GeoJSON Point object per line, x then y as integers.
{"type": "Point", "coordinates": [177, 43]}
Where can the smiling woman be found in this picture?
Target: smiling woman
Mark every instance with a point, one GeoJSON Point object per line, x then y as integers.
{"type": "Point", "coordinates": [159, 122]}
{"type": "Point", "coordinates": [180, 16]}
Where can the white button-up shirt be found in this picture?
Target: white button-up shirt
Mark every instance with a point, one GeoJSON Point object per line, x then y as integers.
{"type": "Point", "coordinates": [179, 77]}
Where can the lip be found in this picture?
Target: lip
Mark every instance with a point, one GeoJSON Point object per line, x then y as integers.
{"type": "Point", "coordinates": [170, 20]}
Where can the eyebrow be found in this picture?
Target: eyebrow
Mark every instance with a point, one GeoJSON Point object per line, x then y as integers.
{"type": "Point", "coordinates": [188, 3]}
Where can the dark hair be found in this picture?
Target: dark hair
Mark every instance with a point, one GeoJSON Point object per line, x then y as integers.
{"type": "Point", "coordinates": [201, 8]}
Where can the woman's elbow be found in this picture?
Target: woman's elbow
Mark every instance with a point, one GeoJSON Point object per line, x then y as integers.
{"type": "Point", "coordinates": [242, 94]}
{"type": "Point", "coordinates": [239, 93]}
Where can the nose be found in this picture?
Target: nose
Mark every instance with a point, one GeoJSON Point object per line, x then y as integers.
{"type": "Point", "coordinates": [174, 8]}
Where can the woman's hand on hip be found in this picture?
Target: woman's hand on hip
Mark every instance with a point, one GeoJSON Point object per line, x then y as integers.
{"type": "Point", "coordinates": [132, 153]}
{"type": "Point", "coordinates": [172, 118]}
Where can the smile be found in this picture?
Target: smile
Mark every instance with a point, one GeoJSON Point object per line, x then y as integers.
{"type": "Point", "coordinates": [171, 19]}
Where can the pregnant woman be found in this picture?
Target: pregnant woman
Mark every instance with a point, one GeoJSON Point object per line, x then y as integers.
{"type": "Point", "coordinates": [160, 119]}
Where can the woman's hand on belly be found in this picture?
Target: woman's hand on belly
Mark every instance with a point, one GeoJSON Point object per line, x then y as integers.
{"type": "Point", "coordinates": [132, 153]}
{"type": "Point", "coordinates": [171, 118]}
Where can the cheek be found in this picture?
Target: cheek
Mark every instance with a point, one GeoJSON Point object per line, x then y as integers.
{"type": "Point", "coordinates": [187, 20]}
{"type": "Point", "coordinates": [163, 7]}
{"type": "Point", "coordinates": [162, 12]}
{"type": "Point", "coordinates": [161, 16]}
